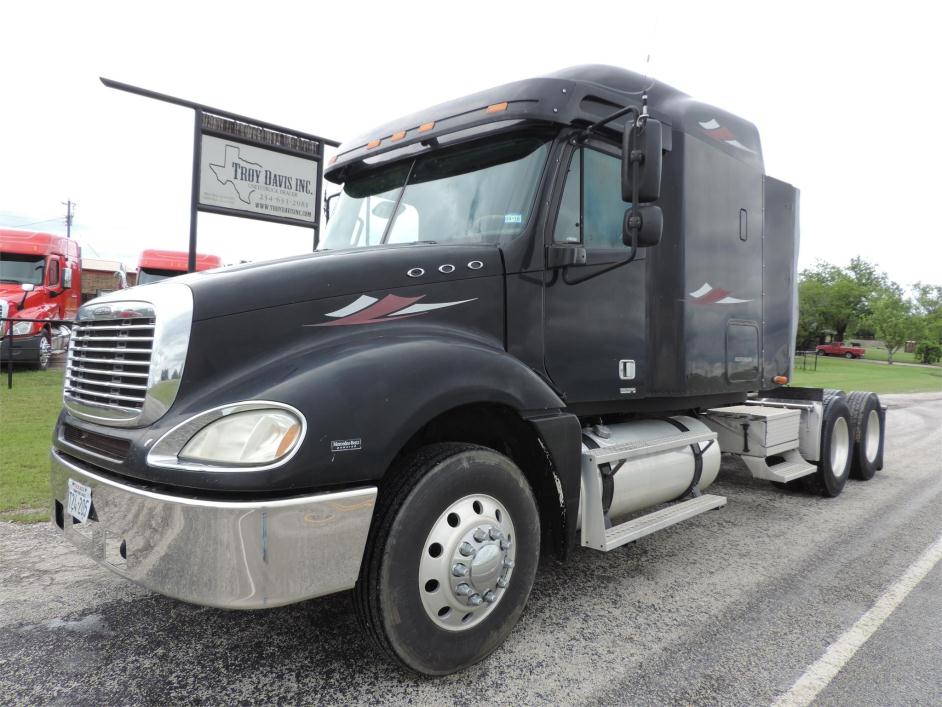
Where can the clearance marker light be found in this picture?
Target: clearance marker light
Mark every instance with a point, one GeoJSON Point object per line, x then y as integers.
{"type": "Point", "coordinates": [373, 143]}
{"type": "Point", "coordinates": [398, 136]}
{"type": "Point", "coordinates": [780, 380]}
{"type": "Point", "coordinates": [497, 107]}
{"type": "Point", "coordinates": [333, 159]}
{"type": "Point", "coordinates": [425, 127]}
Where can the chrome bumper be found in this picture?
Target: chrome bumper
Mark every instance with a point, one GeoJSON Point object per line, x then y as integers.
{"type": "Point", "coordinates": [229, 554]}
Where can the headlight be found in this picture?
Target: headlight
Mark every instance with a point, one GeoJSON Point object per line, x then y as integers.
{"type": "Point", "coordinates": [254, 437]}
{"type": "Point", "coordinates": [23, 328]}
{"type": "Point", "coordinates": [250, 436]}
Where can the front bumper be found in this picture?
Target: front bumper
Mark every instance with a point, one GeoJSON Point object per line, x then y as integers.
{"type": "Point", "coordinates": [229, 554]}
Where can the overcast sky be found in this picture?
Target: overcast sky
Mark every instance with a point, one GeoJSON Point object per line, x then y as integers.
{"type": "Point", "coordinates": [845, 95]}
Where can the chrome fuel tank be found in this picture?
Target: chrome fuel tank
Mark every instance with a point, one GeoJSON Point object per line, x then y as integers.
{"type": "Point", "coordinates": [657, 478]}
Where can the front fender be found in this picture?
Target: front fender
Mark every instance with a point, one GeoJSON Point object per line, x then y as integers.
{"type": "Point", "coordinates": [363, 399]}
{"type": "Point", "coordinates": [375, 397]}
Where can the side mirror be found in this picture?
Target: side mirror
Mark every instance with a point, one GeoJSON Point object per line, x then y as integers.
{"type": "Point", "coordinates": [28, 286]}
{"type": "Point", "coordinates": [650, 228]}
{"type": "Point", "coordinates": [643, 146]}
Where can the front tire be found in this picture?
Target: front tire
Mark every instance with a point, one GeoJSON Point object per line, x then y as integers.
{"type": "Point", "coordinates": [44, 355]}
{"type": "Point", "coordinates": [451, 558]}
{"type": "Point", "coordinates": [835, 454]}
{"type": "Point", "coordinates": [848, 355]}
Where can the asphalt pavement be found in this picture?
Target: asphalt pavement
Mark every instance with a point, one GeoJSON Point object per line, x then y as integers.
{"type": "Point", "coordinates": [729, 608]}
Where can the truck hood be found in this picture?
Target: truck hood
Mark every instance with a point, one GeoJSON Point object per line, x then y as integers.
{"type": "Point", "coordinates": [11, 293]}
{"type": "Point", "coordinates": [323, 274]}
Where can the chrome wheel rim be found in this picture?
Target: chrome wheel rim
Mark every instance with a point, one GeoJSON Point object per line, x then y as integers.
{"type": "Point", "coordinates": [872, 445]}
{"type": "Point", "coordinates": [840, 446]}
{"type": "Point", "coordinates": [45, 351]}
{"type": "Point", "coordinates": [467, 562]}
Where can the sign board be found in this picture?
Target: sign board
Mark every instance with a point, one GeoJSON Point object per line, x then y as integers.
{"type": "Point", "coordinates": [249, 168]}
{"type": "Point", "coordinates": [268, 184]}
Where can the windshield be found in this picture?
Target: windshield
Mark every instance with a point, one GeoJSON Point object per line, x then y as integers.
{"type": "Point", "coordinates": [145, 277]}
{"type": "Point", "coordinates": [21, 269]}
{"type": "Point", "coordinates": [480, 194]}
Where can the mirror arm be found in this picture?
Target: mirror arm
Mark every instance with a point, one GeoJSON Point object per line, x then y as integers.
{"type": "Point", "coordinates": [634, 221]}
{"type": "Point", "coordinates": [614, 116]}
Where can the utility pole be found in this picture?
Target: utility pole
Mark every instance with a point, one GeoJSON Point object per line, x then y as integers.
{"type": "Point", "coordinates": [69, 207]}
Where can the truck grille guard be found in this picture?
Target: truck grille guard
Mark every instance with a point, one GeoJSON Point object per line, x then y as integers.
{"type": "Point", "coordinates": [126, 356]}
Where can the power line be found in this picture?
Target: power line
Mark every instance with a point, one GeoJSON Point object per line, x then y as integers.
{"type": "Point", "coordinates": [35, 223]}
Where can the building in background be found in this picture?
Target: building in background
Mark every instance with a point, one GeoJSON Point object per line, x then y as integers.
{"type": "Point", "coordinates": [100, 277]}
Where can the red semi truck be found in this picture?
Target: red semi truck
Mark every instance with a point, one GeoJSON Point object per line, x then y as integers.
{"type": "Point", "coordinates": [157, 265]}
{"type": "Point", "coordinates": [40, 278]}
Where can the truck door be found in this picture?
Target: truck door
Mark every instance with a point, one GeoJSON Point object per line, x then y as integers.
{"type": "Point", "coordinates": [594, 336]}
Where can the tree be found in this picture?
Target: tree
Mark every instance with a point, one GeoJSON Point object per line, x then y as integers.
{"type": "Point", "coordinates": [929, 304]}
{"type": "Point", "coordinates": [894, 320]}
{"type": "Point", "coordinates": [833, 299]}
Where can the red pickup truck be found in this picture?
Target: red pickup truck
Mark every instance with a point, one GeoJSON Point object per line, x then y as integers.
{"type": "Point", "coordinates": [837, 348]}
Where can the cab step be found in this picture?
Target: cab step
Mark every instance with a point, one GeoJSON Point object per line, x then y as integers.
{"type": "Point", "coordinates": [618, 535]}
{"type": "Point", "coordinates": [792, 467]}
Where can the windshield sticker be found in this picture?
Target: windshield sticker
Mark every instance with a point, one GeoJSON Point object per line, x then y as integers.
{"type": "Point", "coordinates": [369, 310]}
{"type": "Point", "coordinates": [513, 218]}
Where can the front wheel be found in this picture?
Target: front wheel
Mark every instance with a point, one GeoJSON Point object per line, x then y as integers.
{"type": "Point", "coordinates": [44, 354]}
{"type": "Point", "coordinates": [848, 355]}
{"type": "Point", "coordinates": [451, 558]}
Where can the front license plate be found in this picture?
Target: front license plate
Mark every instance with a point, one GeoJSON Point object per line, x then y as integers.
{"type": "Point", "coordinates": [79, 503]}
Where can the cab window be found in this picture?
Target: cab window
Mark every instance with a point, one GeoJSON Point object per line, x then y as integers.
{"type": "Point", "coordinates": [597, 176]}
{"type": "Point", "coordinates": [52, 273]}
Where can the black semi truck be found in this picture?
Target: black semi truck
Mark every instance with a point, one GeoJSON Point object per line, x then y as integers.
{"type": "Point", "coordinates": [538, 316]}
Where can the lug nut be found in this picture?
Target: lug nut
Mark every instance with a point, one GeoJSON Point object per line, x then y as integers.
{"type": "Point", "coordinates": [496, 534]}
{"type": "Point", "coordinates": [502, 582]}
{"type": "Point", "coordinates": [490, 597]}
{"type": "Point", "coordinates": [475, 600]}
{"type": "Point", "coordinates": [480, 534]}
{"type": "Point", "coordinates": [504, 544]}
{"type": "Point", "coordinates": [460, 570]}
{"type": "Point", "coordinates": [463, 590]}
{"type": "Point", "coordinates": [508, 563]}
{"type": "Point", "coordinates": [466, 549]}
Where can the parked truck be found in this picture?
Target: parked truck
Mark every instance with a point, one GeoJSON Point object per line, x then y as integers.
{"type": "Point", "coordinates": [40, 279]}
{"type": "Point", "coordinates": [157, 265]}
{"type": "Point", "coordinates": [538, 316]}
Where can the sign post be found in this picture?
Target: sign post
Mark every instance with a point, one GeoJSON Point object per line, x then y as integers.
{"type": "Point", "coordinates": [249, 168]}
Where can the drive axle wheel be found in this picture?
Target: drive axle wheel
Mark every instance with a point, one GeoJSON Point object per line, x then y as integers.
{"type": "Point", "coordinates": [450, 559]}
{"type": "Point", "coordinates": [834, 457]}
{"type": "Point", "coordinates": [868, 435]}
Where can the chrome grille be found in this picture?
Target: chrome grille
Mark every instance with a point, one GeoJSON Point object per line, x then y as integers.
{"type": "Point", "coordinates": [127, 353]}
{"type": "Point", "coordinates": [109, 362]}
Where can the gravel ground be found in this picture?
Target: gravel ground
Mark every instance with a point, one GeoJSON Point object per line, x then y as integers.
{"type": "Point", "coordinates": [728, 608]}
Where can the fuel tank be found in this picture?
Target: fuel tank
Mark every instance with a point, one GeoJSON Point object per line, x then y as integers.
{"type": "Point", "coordinates": [657, 478]}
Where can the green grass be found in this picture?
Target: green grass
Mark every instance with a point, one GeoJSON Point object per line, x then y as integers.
{"type": "Point", "coordinates": [860, 375]}
{"type": "Point", "coordinates": [899, 356]}
{"type": "Point", "coordinates": [27, 416]}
